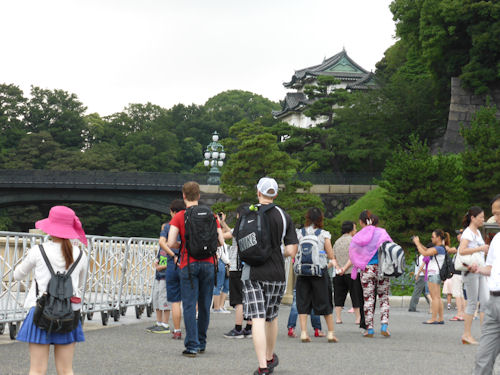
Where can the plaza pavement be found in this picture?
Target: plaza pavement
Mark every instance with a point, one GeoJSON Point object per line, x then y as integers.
{"type": "Point", "coordinates": [125, 347]}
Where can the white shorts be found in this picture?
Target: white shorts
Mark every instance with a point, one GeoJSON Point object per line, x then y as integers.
{"type": "Point", "coordinates": [457, 286]}
{"type": "Point", "coordinates": [160, 295]}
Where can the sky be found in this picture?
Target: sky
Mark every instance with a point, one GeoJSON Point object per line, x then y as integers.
{"type": "Point", "coordinates": [111, 53]}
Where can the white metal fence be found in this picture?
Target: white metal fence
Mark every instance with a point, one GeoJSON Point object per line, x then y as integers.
{"type": "Point", "coordinates": [120, 274]}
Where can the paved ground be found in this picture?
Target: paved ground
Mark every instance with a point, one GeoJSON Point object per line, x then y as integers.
{"type": "Point", "coordinates": [125, 348]}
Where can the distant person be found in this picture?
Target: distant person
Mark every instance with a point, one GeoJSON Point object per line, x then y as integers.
{"type": "Point", "coordinates": [197, 275]}
{"type": "Point", "coordinates": [437, 254]}
{"type": "Point", "coordinates": [160, 303]}
{"type": "Point", "coordinates": [489, 343]}
{"type": "Point", "coordinates": [264, 285]}
{"type": "Point", "coordinates": [221, 289]}
{"type": "Point", "coordinates": [363, 253]}
{"type": "Point", "coordinates": [235, 283]}
{"type": "Point", "coordinates": [342, 282]}
{"type": "Point", "coordinates": [172, 276]}
{"type": "Point", "coordinates": [62, 225]}
{"type": "Point", "coordinates": [475, 284]}
{"type": "Point", "coordinates": [420, 287]}
{"type": "Point", "coordinates": [457, 286]}
{"type": "Point", "coordinates": [315, 292]}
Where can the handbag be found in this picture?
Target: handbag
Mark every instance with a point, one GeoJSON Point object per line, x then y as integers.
{"type": "Point", "coordinates": [468, 259]}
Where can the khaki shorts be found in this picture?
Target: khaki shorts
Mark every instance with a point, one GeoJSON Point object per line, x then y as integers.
{"type": "Point", "coordinates": [160, 295]}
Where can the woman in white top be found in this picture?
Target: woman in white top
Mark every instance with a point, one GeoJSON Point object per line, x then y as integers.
{"type": "Point", "coordinates": [62, 224]}
{"type": "Point", "coordinates": [437, 253]}
{"type": "Point", "coordinates": [315, 292]}
{"type": "Point", "coordinates": [475, 284]}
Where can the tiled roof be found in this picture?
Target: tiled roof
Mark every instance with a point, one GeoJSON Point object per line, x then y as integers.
{"type": "Point", "coordinates": [323, 69]}
{"type": "Point", "coordinates": [293, 101]}
{"type": "Point", "coordinates": [364, 83]}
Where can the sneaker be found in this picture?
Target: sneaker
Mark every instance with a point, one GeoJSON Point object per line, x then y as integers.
{"type": "Point", "coordinates": [259, 371]}
{"type": "Point", "coordinates": [273, 363]}
{"type": "Point", "coordinates": [224, 311]}
{"type": "Point", "coordinates": [247, 333]}
{"type": "Point", "coordinates": [177, 335]}
{"type": "Point", "coordinates": [160, 329]}
{"type": "Point", "coordinates": [291, 333]}
{"type": "Point", "coordinates": [234, 334]}
{"type": "Point", "coordinates": [189, 353]}
{"type": "Point", "coordinates": [152, 327]}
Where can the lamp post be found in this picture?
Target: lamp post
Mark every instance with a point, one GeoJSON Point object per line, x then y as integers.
{"type": "Point", "coordinates": [214, 157]}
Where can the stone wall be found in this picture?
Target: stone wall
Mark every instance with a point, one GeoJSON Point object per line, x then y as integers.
{"type": "Point", "coordinates": [463, 104]}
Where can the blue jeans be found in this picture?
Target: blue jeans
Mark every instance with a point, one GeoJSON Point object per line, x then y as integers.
{"type": "Point", "coordinates": [292, 318]}
{"type": "Point", "coordinates": [202, 276]}
{"type": "Point", "coordinates": [222, 280]}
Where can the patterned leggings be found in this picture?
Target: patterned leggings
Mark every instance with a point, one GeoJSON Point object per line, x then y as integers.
{"type": "Point", "coordinates": [371, 285]}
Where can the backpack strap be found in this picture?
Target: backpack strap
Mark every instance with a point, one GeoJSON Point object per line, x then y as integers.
{"type": "Point", "coordinates": [317, 232]}
{"type": "Point", "coordinates": [284, 228]}
{"type": "Point", "coordinates": [47, 262]}
{"type": "Point", "coordinates": [303, 230]}
{"type": "Point", "coordinates": [72, 268]}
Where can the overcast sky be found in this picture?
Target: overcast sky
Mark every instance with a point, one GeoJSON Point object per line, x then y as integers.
{"type": "Point", "coordinates": [114, 52]}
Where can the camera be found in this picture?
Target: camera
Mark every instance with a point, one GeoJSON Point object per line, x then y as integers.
{"type": "Point", "coordinates": [220, 215]}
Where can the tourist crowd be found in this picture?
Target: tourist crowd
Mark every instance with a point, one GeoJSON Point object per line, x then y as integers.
{"type": "Point", "coordinates": [195, 270]}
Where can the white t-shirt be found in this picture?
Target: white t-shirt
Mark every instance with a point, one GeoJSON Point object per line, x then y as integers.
{"type": "Point", "coordinates": [493, 260]}
{"type": "Point", "coordinates": [34, 260]}
{"type": "Point", "coordinates": [419, 263]}
{"type": "Point", "coordinates": [433, 268]}
{"type": "Point", "coordinates": [475, 240]}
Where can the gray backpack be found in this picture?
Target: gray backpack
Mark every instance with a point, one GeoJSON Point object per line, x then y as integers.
{"type": "Point", "coordinates": [391, 260]}
{"type": "Point", "coordinates": [309, 261]}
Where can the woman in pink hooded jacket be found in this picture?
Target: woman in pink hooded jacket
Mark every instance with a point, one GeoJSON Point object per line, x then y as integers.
{"type": "Point", "coordinates": [363, 252]}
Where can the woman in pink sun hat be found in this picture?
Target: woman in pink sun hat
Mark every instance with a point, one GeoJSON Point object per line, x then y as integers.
{"type": "Point", "coordinates": [62, 225]}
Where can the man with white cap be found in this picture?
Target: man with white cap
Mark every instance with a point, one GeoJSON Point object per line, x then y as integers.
{"type": "Point", "coordinates": [264, 285]}
{"type": "Point", "coordinates": [489, 344]}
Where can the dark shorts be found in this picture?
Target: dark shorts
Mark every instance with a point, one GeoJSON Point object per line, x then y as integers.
{"type": "Point", "coordinates": [235, 288]}
{"type": "Point", "coordinates": [342, 284]}
{"type": "Point", "coordinates": [314, 293]}
{"type": "Point", "coordinates": [261, 299]}
{"type": "Point", "coordinates": [173, 284]}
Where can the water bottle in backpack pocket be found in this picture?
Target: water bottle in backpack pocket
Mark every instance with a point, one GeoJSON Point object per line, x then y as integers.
{"type": "Point", "coordinates": [310, 259]}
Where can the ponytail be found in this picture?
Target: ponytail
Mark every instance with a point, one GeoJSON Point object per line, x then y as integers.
{"type": "Point", "coordinates": [445, 236]}
{"type": "Point", "coordinates": [367, 218]}
{"type": "Point", "coordinates": [67, 250]}
{"type": "Point", "coordinates": [473, 212]}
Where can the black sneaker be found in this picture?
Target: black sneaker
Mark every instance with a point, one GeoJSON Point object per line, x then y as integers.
{"type": "Point", "coordinates": [201, 351]}
{"type": "Point", "coordinates": [273, 363]}
{"type": "Point", "coordinates": [247, 333]}
{"type": "Point", "coordinates": [189, 353]}
{"type": "Point", "coordinates": [260, 371]}
{"type": "Point", "coordinates": [234, 334]}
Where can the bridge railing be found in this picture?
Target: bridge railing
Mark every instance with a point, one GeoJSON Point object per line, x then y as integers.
{"type": "Point", "coordinates": [119, 274]}
{"type": "Point", "coordinates": [150, 180]}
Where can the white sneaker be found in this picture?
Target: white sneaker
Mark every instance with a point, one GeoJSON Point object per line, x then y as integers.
{"type": "Point", "coordinates": [224, 311]}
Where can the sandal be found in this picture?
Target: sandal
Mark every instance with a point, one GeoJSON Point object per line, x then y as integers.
{"type": "Point", "coordinates": [368, 333]}
{"type": "Point", "coordinates": [457, 319]}
{"type": "Point", "coordinates": [331, 337]}
{"type": "Point", "coordinates": [304, 337]}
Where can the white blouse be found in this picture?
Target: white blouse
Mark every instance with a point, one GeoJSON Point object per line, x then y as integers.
{"type": "Point", "coordinates": [34, 259]}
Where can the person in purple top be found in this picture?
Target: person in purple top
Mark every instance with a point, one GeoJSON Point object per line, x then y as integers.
{"type": "Point", "coordinates": [363, 252]}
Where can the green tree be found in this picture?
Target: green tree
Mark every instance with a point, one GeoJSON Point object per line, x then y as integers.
{"type": "Point", "coordinates": [454, 37]}
{"type": "Point", "coordinates": [255, 154]}
{"type": "Point", "coordinates": [59, 113]}
{"type": "Point", "coordinates": [423, 192]}
{"type": "Point", "coordinates": [481, 157]}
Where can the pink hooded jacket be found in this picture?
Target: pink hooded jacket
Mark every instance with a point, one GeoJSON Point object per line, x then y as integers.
{"type": "Point", "coordinates": [364, 246]}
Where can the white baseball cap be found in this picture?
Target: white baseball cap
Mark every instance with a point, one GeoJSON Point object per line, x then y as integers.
{"type": "Point", "coordinates": [268, 187]}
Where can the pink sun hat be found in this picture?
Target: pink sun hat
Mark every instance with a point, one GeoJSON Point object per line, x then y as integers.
{"type": "Point", "coordinates": [63, 223]}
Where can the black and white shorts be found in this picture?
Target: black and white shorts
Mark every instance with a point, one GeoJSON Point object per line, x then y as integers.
{"type": "Point", "coordinates": [261, 299]}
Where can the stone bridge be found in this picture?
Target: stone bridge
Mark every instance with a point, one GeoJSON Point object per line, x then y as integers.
{"type": "Point", "coordinates": [152, 191]}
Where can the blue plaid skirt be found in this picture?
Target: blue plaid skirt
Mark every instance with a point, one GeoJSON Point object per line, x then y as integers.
{"type": "Point", "coordinates": [29, 332]}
